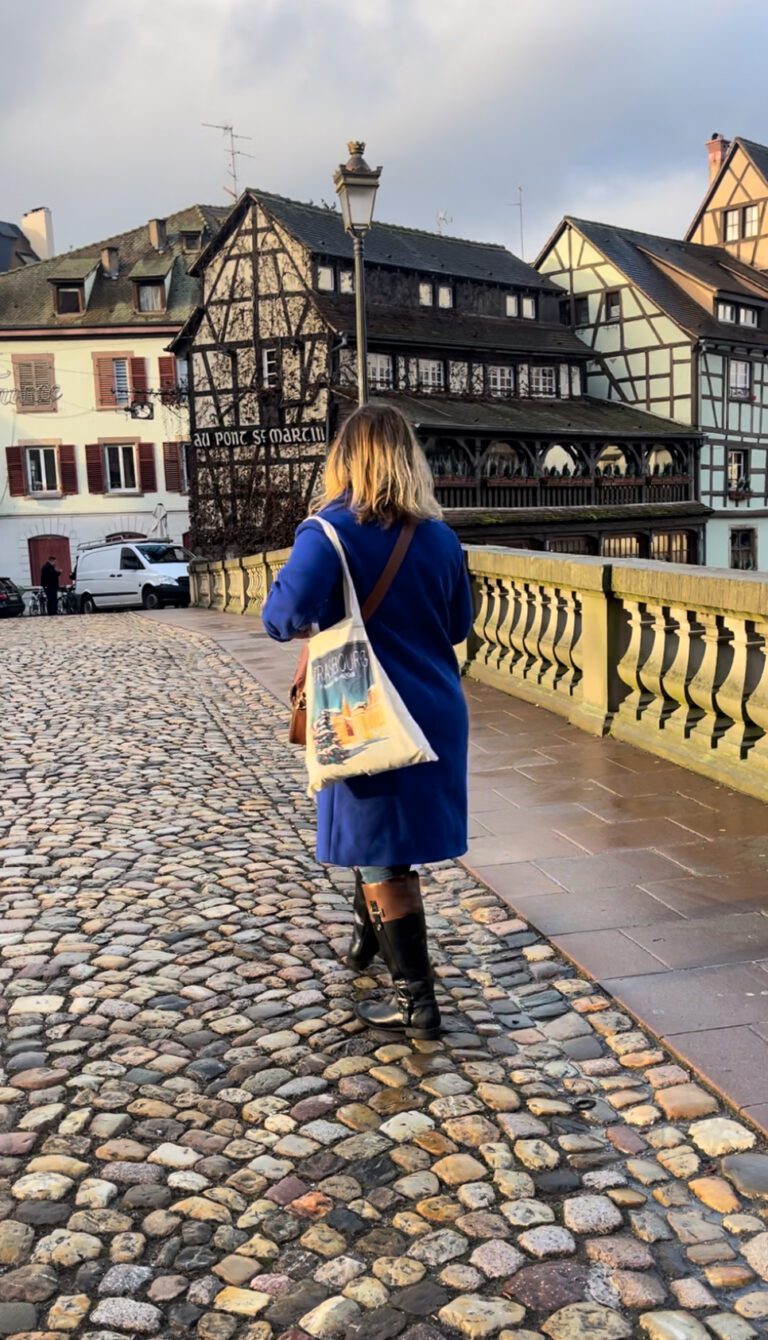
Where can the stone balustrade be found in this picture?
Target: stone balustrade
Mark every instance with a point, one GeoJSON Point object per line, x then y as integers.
{"type": "Point", "coordinates": [670, 658]}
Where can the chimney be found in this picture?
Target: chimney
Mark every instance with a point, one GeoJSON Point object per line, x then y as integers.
{"type": "Point", "coordinates": [158, 236]}
{"type": "Point", "coordinates": [717, 149]}
{"type": "Point", "coordinates": [110, 259]}
{"type": "Point", "coordinates": [37, 226]}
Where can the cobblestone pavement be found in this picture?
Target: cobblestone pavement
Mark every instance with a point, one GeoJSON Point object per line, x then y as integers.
{"type": "Point", "coordinates": [196, 1138]}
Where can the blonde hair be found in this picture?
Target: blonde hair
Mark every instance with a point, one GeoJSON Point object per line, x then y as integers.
{"type": "Point", "coordinates": [377, 462]}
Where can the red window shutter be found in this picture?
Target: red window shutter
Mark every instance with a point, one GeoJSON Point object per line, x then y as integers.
{"type": "Point", "coordinates": [105, 383]}
{"type": "Point", "coordinates": [139, 383]}
{"type": "Point", "coordinates": [167, 369]}
{"type": "Point", "coordinates": [68, 468]}
{"type": "Point", "coordinates": [94, 467]}
{"type": "Point", "coordinates": [147, 475]}
{"type": "Point", "coordinates": [14, 460]}
{"type": "Point", "coordinates": [172, 466]}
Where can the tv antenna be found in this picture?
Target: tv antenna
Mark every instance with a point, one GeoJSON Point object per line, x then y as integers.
{"type": "Point", "coordinates": [233, 154]}
{"type": "Point", "coordinates": [518, 204]}
{"type": "Point", "coordinates": [442, 220]}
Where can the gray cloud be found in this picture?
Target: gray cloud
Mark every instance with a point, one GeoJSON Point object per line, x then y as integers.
{"type": "Point", "coordinates": [596, 108]}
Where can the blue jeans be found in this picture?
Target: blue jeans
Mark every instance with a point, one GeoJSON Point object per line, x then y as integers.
{"type": "Point", "coordinates": [378, 874]}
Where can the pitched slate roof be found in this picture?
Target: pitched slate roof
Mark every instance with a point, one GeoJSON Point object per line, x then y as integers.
{"type": "Point", "coordinates": [635, 254]}
{"type": "Point", "coordinates": [533, 416]}
{"type": "Point", "coordinates": [452, 329]}
{"type": "Point", "coordinates": [26, 299]}
{"type": "Point", "coordinates": [321, 231]}
{"type": "Point", "coordinates": [14, 247]}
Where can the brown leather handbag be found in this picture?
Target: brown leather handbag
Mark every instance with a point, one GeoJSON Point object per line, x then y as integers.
{"type": "Point", "coordinates": [297, 729]}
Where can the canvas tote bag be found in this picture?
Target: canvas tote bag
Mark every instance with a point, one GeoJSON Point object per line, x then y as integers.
{"type": "Point", "coordinates": [357, 723]}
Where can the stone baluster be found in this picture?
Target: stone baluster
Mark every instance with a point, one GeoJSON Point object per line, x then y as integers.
{"type": "Point", "coordinates": [732, 694]}
{"type": "Point", "coordinates": [708, 724]}
{"type": "Point", "coordinates": [757, 705]}
{"type": "Point", "coordinates": [496, 604]}
{"type": "Point", "coordinates": [483, 588]}
{"type": "Point", "coordinates": [517, 633]}
{"type": "Point", "coordinates": [548, 669]}
{"type": "Point", "coordinates": [641, 634]}
{"type": "Point", "coordinates": [567, 645]}
{"type": "Point", "coordinates": [652, 673]}
{"type": "Point", "coordinates": [681, 670]}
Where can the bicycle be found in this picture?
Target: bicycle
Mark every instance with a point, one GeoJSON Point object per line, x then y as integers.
{"type": "Point", "coordinates": [37, 602]}
{"type": "Point", "coordinates": [67, 603]}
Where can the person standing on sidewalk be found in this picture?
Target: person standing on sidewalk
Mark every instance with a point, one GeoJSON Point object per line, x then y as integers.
{"type": "Point", "coordinates": [377, 481]}
{"type": "Point", "coordinates": [49, 580]}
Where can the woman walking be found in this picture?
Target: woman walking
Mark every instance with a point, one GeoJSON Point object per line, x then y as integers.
{"type": "Point", "coordinates": [379, 496]}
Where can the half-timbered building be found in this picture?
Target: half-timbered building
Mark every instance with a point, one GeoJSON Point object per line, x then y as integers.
{"type": "Point", "coordinates": [470, 342]}
{"type": "Point", "coordinates": [680, 329]}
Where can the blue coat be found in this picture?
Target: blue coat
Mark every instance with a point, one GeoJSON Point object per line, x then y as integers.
{"type": "Point", "coordinates": [410, 815]}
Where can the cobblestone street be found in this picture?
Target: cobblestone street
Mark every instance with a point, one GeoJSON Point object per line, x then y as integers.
{"type": "Point", "coordinates": [196, 1136]}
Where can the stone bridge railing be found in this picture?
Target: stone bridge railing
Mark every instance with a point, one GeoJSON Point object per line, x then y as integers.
{"type": "Point", "coordinates": [672, 659]}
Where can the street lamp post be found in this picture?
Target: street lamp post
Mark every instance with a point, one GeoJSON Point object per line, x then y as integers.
{"type": "Point", "coordinates": [356, 185]}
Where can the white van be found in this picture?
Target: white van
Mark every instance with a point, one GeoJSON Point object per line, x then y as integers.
{"type": "Point", "coordinates": [151, 573]}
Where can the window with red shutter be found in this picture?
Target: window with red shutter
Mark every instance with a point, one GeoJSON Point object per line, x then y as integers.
{"type": "Point", "coordinates": [14, 461]}
{"type": "Point", "coordinates": [68, 470]}
{"type": "Point", "coordinates": [172, 467]}
{"type": "Point", "coordinates": [167, 370]}
{"type": "Point", "coordinates": [94, 467]}
{"type": "Point", "coordinates": [105, 382]}
{"type": "Point", "coordinates": [139, 383]}
{"type": "Point", "coordinates": [147, 474]}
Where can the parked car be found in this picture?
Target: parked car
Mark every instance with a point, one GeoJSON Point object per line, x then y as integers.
{"type": "Point", "coordinates": [151, 573]}
{"type": "Point", "coordinates": [11, 599]}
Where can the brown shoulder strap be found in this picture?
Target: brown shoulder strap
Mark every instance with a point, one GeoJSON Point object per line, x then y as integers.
{"type": "Point", "coordinates": [391, 570]}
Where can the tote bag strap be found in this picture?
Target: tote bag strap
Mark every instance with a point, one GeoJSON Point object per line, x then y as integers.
{"type": "Point", "coordinates": [387, 577]}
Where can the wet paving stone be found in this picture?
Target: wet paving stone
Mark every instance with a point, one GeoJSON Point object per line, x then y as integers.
{"type": "Point", "coordinates": [198, 1139]}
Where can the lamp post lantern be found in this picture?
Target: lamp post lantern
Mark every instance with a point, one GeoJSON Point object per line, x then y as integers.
{"type": "Point", "coordinates": [356, 185]}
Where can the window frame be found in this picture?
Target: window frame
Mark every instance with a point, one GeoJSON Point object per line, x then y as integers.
{"type": "Point", "coordinates": [735, 391]}
{"type": "Point", "coordinates": [426, 293]}
{"type": "Point", "coordinates": [47, 363]}
{"type": "Point", "coordinates": [723, 308]}
{"type": "Point", "coordinates": [500, 372]}
{"type": "Point", "coordinates": [347, 282]}
{"type": "Point", "coordinates": [436, 364]}
{"type": "Point", "coordinates": [381, 380]}
{"type": "Point", "coordinates": [512, 304]}
{"type": "Point", "coordinates": [191, 241]}
{"type": "Point", "coordinates": [746, 209]}
{"type": "Point", "coordinates": [146, 286]}
{"type": "Point", "coordinates": [78, 289]}
{"type": "Point", "coordinates": [528, 300]}
{"type": "Point", "coordinates": [731, 221]}
{"type": "Point", "coordinates": [42, 447]}
{"type": "Point", "coordinates": [580, 305]}
{"type": "Point", "coordinates": [539, 372]}
{"type": "Point", "coordinates": [330, 272]}
{"type": "Point", "coordinates": [119, 356]}
{"type": "Point", "coordinates": [754, 315]}
{"type": "Point", "coordinates": [751, 531]}
{"type": "Point", "coordinates": [612, 306]}
{"type": "Point", "coordinates": [270, 371]}
{"type": "Point", "coordinates": [738, 476]}
{"type": "Point", "coordinates": [445, 289]}
{"type": "Point", "coordinates": [185, 449]}
{"type": "Point", "coordinates": [121, 445]}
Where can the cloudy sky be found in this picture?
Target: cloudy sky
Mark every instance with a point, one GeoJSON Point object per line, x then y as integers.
{"type": "Point", "coordinates": [598, 108]}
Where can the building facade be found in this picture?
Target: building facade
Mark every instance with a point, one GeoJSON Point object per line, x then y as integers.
{"type": "Point", "coordinates": [93, 409]}
{"type": "Point", "coordinates": [474, 347]}
{"type": "Point", "coordinates": [679, 328]}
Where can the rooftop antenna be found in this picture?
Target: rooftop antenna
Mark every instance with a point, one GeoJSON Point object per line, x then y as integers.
{"type": "Point", "coordinates": [233, 153]}
{"type": "Point", "coordinates": [442, 220]}
{"type": "Point", "coordinates": [518, 204]}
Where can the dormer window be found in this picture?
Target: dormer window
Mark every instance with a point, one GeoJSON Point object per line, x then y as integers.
{"type": "Point", "coordinates": [346, 281]}
{"type": "Point", "coordinates": [150, 297]}
{"type": "Point", "coordinates": [528, 309]}
{"type": "Point", "coordinates": [726, 311]}
{"type": "Point", "coordinates": [192, 241]}
{"type": "Point", "coordinates": [70, 299]}
{"type": "Point", "coordinates": [326, 279]}
{"type": "Point", "coordinates": [426, 295]}
{"type": "Point", "coordinates": [444, 295]}
{"type": "Point", "coordinates": [512, 305]}
{"type": "Point", "coordinates": [748, 316]}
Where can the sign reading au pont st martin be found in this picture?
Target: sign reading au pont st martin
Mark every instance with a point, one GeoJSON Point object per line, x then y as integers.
{"type": "Point", "coordinates": [297, 435]}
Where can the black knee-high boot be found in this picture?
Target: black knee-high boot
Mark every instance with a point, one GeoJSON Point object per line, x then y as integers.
{"type": "Point", "coordinates": [403, 945]}
{"type": "Point", "coordinates": [364, 943]}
